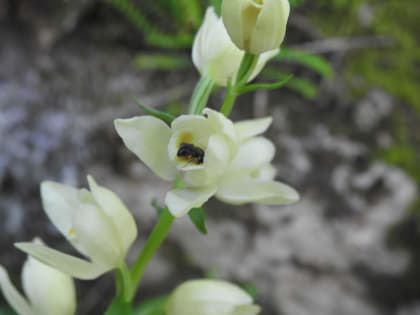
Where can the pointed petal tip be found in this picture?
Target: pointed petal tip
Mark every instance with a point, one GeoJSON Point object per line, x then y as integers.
{"type": "Point", "coordinates": [70, 265]}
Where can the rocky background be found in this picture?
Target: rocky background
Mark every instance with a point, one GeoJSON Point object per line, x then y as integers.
{"type": "Point", "coordinates": [349, 247]}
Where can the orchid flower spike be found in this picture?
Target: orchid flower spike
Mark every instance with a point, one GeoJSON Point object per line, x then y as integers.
{"type": "Point", "coordinates": [48, 291]}
{"type": "Point", "coordinates": [215, 55]}
{"type": "Point", "coordinates": [210, 297]}
{"type": "Point", "coordinates": [212, 156]}
{"type": "Point", "coordinates": [95, 222]}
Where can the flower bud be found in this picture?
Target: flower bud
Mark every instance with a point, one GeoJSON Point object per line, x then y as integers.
{"type": "Point", "coordinates": [48, 291]}
{"type": "Point", "coordinates": [256, 26]}
{"type": "Point", "coordinates": [210, 297]}
{"type": "Point", "coordinates": [214, 54]}
{"type": "Point", "coordinates": [95, 222]}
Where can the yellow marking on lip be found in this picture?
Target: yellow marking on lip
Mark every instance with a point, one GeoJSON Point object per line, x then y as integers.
{"type": "Point", "coordinates": [186, 137]}
{"type": "Point", "coordinates": [72, 232]}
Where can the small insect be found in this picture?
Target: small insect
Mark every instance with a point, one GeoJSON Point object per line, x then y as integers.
{"type": "Point", "coordinates": [190, 153]}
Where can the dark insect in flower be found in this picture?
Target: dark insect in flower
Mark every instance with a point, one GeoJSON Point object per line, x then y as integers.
{"type": "Point", "coordinates": [190, 153]}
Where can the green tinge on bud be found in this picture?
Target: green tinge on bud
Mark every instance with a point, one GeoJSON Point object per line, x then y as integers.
{"type": "Point", "coordinates": [210, 297]}
{"type": "Point", "coordinates": [256, 26]}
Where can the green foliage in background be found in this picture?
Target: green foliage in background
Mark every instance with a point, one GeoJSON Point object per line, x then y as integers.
{"type": "Point", "coordinates": [6, 311]}
{"type": "Point", "coordinates": [394, 67]}
{"type": "Point", "coordinates": [405, 151]}
{"type": "Point", "coordinates": [178, 20]}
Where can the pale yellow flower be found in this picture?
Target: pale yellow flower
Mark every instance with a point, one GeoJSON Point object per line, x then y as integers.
{"type": "Point", "coordinates": [212, 156]}
{"type": "Point", "coordinates": [95, 222]}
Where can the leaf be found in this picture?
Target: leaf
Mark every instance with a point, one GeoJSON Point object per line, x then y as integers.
{"type": "Point", "coordinates": [161, 62]}
{"type": "Point", "coordinates": [251, 289]}
{"type": "Point", "coordinates": [198, 218]}
{"type": "Point", "coordinates": [295, 3]}
{"type": "Point", "coordinates": [119, 307]}
{"type": "Point", "coordinates": [164, 116]}
{"type": "Point", "coordinates": [311, 61]}
{"type": "Point", "coordinates": [265, 86]}
{"type": "Point", "coordinates": [302, 86]}
{"type": "Point", "coordinates": [155, 306]}
{"type": "Point", "coordinates": [6, 311]}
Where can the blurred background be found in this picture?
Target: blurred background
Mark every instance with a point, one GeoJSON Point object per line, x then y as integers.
{"type": "Point", "coordinates": [346, 127]}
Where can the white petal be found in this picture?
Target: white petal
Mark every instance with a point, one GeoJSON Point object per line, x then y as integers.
{"type": "Point", "coordinates": [50, 291]}
{"type": "Point", "coordinates": [148, 137]}
{"type": "Point", "coordinates": [252, 154]}
{"type": "Point", "coordinates": [265, 172]}
{"type": "Point", "coordinates": [224, 68]}
{"type": "Point", "coordinates": [180, 201]}
{"type": "Point", "coordinates": [200, 50]}
{"type": "Point", "coordinates": [220, 124]}
{"type": "Point", "coordinates": [253, 127]}
{"type": "Point", "coordinates": [190, 129]}
{"type": "Point", "coordinates": [246, 310]}
{"type": "Point", "coordinates": [239, 190]}
{"type": "Point", "coordinates": [232, 19]}
{"type": "Point", "coordinates": [70, 265]}
{"type": "Point", "coordinates": [12, 296]}
{"type": "Point", "coordinates": [270, 27]}
{"type": "Point", "coordinates": [213, 53]}
{"type": "Point", "coordinates": [115, 209]}
{"type": "Point", "coordinates": [212, 291]}
{"type": "Point", "coordinates": [199, 308]}
{"type": "Point", "coordinates": [96, 235]}
{"type": "Point", "coordinates": [60, 202]}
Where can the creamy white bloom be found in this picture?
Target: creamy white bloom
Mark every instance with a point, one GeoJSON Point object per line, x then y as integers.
{"type": "Point", "coordinates": [256, 26]}
{"type": "Point", "coordinates": [48, 291]}
{"type": "Point", "coordinates": [215, 55]}
{"type": "Point", "coordinates": [95, 222]}
{"type": "Point", "coordinates": [210, 297]}
{"type": "Point", "coordinates": [212, 156]}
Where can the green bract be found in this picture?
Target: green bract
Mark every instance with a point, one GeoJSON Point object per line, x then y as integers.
{"type": "Point", "coordinates": [210, 297]}
{"type": "Point", "coordinates": [214, 54]}
{"type": "Point", "coordinates": [48, 291]}
{"type": "Point", "coordinates": [95, 222]}
{"type": "Point", "coordinates": [212, 156]}
{"type": "Point", "coordinates": [256, 26]}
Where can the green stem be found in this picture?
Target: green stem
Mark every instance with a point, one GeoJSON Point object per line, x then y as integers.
{"type": "Point", "coordinates": [123, 282]}
{"type": "Point", "coordinates": [201, 95]}
{"type": "Point", "coordinates": [229, 101]}
{"type": "Point", "coordinates": [247, 66]}
{"type": "Point", "coordinates": [160, 231]}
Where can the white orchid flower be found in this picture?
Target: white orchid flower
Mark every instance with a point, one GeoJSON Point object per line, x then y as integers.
{"type": "Point", "coordinates": [95, 222]}
{"type": "Point", "coordinates": [215, 55]}
{"type": "Point", "coordinates": [210, 297]}
{"type": "Point", "coordinates": [256, 26]}
{"type": "Point", "coordinates": [212, 156]}
{"type": "Point", "coordinates": [48, 291]}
